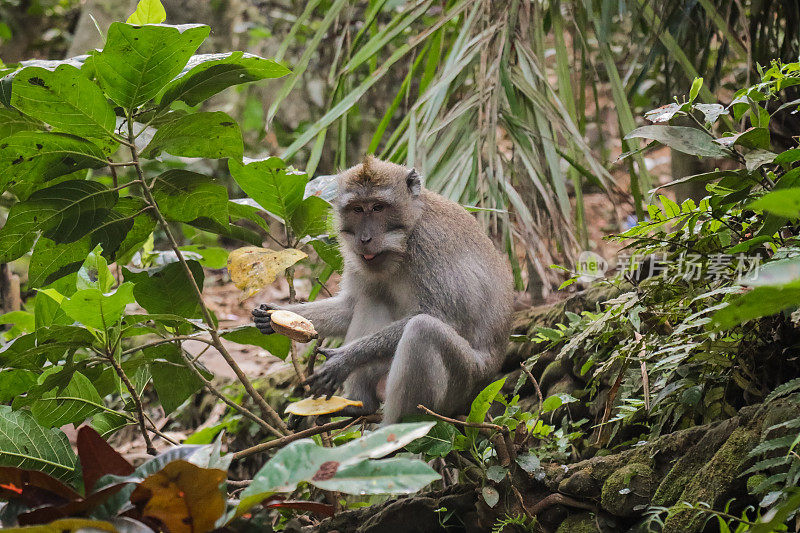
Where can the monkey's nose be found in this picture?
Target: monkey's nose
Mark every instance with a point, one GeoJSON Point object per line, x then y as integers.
{"type": "Point", "coordinates": [365, 239]}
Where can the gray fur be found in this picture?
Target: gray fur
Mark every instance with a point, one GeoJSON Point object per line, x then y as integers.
{"type": "Point", "coordinates": [431, 314]}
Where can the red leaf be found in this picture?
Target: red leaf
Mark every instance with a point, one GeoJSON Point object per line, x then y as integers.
{"type": "Point", "coordinates": [20, 480]}
{"type": "Point", "coordinates": [322, 509]}
{"type": "Point", "coordinates": [45, 515]}
{"type": "Point", "coordinates": [98, 458]}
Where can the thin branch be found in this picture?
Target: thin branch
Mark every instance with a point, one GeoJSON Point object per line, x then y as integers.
{"type": "Point", "coordinates": [478, 425]}
{"type": "Point", "coordinates": [303, 434]}
{"type": "Point", "coordinates": [230, 403]}
{"type": "Point", "coordinates": [535, 385]}
{"type": "Point", "coordinates": [136, 401]}
{"type": "Point", "coordinates": [165, 341]}
{"type": "Point", "coordinates": [251, 391]}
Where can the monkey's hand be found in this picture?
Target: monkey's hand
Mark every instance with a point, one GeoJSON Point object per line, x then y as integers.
{"type": "Point", "coordinates": [331, 375]}
{"type": "Point", "coordinates": [262, 320]}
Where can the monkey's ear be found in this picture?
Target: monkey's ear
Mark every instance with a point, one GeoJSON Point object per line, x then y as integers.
{"type": "Point", "coordinates": [413, 182]}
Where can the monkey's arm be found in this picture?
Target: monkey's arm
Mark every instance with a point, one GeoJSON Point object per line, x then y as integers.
{"type": "Point", "coordinates": [341, 361]}
{"type": "Point", "coordinates": [331, 317]}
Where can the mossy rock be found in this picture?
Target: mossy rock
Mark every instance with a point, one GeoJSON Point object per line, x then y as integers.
{"type": "Point", "coordinates": [579, 523]}
{"type": "Point", "coordinates": [552, 374]}
{"type": "Point", "coordinates": [627, 489]}
{"type": "Point", "coordinates": [714, 482]}
{"type": "Point", "coordinates": [581, 484]}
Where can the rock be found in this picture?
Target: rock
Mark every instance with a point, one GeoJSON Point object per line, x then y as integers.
{"type": "Point", "coordinates": [581, 485]}
{"type": "Point", "coordinates": [552, 374]}
{"type": "Point", "coordinates": [628, 490]}
{"type": "Point", "coordinates": [579, 523]}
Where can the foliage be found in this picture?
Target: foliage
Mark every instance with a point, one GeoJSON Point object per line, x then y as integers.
{"type": "Point", "coordinates": [707, 287]}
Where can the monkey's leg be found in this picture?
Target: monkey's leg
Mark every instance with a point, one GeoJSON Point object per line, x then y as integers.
{"type": "Point", "coordinates": [362, 385]}
{"type": "Point", "coordinates": [433, 366]}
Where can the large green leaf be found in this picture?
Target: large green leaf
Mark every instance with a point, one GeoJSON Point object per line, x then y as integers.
{"type": "Point", "coordinates": [783, 202]}
{"type": "Point", "coordinates": [26, 444]}
{"type": "Point", "coordinates": [174, 383]}
{"type": "Point", "coordinates": [167, 289]}
{"type": "Point", "coordinates": [138, 61]}
{"type": "Point", "coordinates": [761, 301]}
{"type": "Point", "coordinates": [269, 182]}
{"type": "Point", "coordinates": [438, 442]}
{"type": "Point", "coordinates": [388, 476]}
{"type": "Point", "coordinates": [101, 311]}
{"type": "Point", "coordinates": [310, 217]}
{"type": "Point", "coordinates": [303, 460]}
{"type": "Point", "coordinates": [64, 213]}
{"type": "Point", "coordinates": [207, 74]}
{"type": "Point", "coordinates": [213, 135]}
{"type": "Point", "coordinates": [690, 141]}
{"type": "Point", "coordinates": [184, 196]}
{"type": "Point", "coordinates": [70, 405]}
{"type": "Point", "coordinates": [14, 382]}
{"type": "Point", "coordinates": [48, 342]}
{"type": "Point", "coordinates": [30, 158]}
{"type": "Point", "coordinates": [277, 345]}
{"type": "Point", "coordinates": [64, 98]}
{"type": "Point", "coordinates": [7, 75]}
{"type": "Point", "coordinates": [118, 233]}
{"type": "Point", "coordinates": [12, 121]}
{"type": "Point", "coordinates": [481, 404]}
{"type": "Point", "coordinates": [231, 231]}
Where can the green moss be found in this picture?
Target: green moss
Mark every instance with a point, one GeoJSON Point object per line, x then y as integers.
{"type": "Point", "coordinates": [579, 523]}
{"type": "Point", "coordinates": [754, 481]}
{"type": "Point", "coordinates": [552, 374]}
{"type": "Point", "coordinates": [713, 481]}
{"type": "Point", "coordinates": [627, 489]}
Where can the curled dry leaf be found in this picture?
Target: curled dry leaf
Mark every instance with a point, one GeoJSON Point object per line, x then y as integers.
{"type": "Point", "coordinates": [292, 325]}
{"type": "Point", "coordinates": [320, 406]}
{"type": "Point", "coordinates": [252, 268]}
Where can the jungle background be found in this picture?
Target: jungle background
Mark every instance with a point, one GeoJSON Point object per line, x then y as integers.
{"type": "Point", "coordinates": [650, 387]}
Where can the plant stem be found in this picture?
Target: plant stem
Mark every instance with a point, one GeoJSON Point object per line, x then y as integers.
{"type": "Point", "coordinates": [302, 434]}
{"type": "Point", "coordinates": [230, 403]}
{"type": "Point", "coordinates": [136, 401]}
{"type": "Point", "coordinates": [478, 425]}
{"type": "Point", "coordinates": [254, 394]}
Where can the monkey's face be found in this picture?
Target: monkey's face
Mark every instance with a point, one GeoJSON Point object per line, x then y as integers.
{"type": "Point", "coordinates": [372, 228]}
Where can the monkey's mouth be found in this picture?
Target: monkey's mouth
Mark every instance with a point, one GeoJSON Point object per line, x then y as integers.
{"type": "Point", "coordinates": [369, 257]}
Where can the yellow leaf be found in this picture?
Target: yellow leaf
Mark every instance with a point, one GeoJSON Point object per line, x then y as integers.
{"type": "Point", "coordinates": [66, 525]}
{"type": "Point", "coordinates": [253, 268]}
{"type": "Point", "coordinates": [320, 406]}
{"type": "Point", "coordinates": [148, 12]}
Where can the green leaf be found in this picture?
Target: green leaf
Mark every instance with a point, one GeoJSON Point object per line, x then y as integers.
{"type": "Point", "coordinates": [277, 345]}
{"type": "Point", "coordinates": [71, 405]}
{"type": "Point", "coordinates": [49, 342]}
{"type": "Point", "coordinates": [301, 460]}
{"type": "Point", "coordinates": [783, 202]}
{"type": "Point", "coordinates": [148, 12]}
{"type": "Point", "coordinates": [174, 383]}
{"type": "Point", "coordinates": [310, 217]}
{"type": "Point", "coordinates": [30, 158]}
{"type": "Point", "coordinates": [106, 424]}
{"type": "Point", "coordinates": [329, 252]}
{"type": "Point", "coordinates": [761, 301]}
{"type": "Point", "coordinates": [481, 404]}
{"type": "Point", "coordinates": [756, 138]}
{"type": "Point", "coordinates": [15, 382]}
{"type": "Point", "coordinates": [789, 156]}
{"type": "Point", "coordinates": [438, 442]}
{"type": "Point", "coordinates": [184, 196]}
{"type": "Point", "coordinates": [101, 311]}
{"type": "Point", "coordinates": [697, 84]}
{"type": "Point", "coordinates": [209, 256]}
{"type": "Point", "coordinates": [143, 225]}
{"type": "Point", "coordinates": [64, 98]}
{"type": "Point", "coordinates": [51, 261]}
{"type": "Point", "coordinates": [94, 273]}
{"type": "Point", "coordinates": [207, 74]}
{"type": "Point", "coordinates": [388, 476]}
{"type": "Point", "coordinates": [267, 181]}
{"type": "Point", "coordinates": [167, 290]}
{"type": "Point", "coordinates": [64, 213]}
{"type": "Point", "coordinates": [138, 61]}
{"type": "Point", "coordinates": [551, 403]}
{"type": "Point", "coordinates": [12, 121]}
{"type": "Point", "coordinates": [690, 141]}
{"type": "Point", "coordinates": [26, 444]}
{"type": "Point", "coordinates": [212, 135]}
{"type": "Point", "coordinates": [529, 462]}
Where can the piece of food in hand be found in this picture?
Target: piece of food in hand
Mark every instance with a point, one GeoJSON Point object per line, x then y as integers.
{"type": "Point", "coordinates": [292, 325]}
{"type": "Point", "coordinates": [320, 406]}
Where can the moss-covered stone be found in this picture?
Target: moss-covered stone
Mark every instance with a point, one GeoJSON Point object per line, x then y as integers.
{"type": "Point", "coordinates": [579, 523]}
{"type": "Point", "coordinates": [713, 482]}
{"type": "Point", "coordinates": [627, 489]}
{"type": "Point", "coordinates": [552, 374]}
{"type": "Point", "coordinates": [581, 484]}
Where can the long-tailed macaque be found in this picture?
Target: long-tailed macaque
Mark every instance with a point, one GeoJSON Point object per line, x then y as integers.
{"type": "Point", "coordinates": [425, 299]}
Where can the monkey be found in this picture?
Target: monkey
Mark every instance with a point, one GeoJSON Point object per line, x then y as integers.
{"type": "Point", "coordinates": [424, 304]}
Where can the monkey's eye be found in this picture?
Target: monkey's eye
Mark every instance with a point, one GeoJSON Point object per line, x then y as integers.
{"type": "Point", "coordinates": [377, 207]}
{"type": "Point", "coordinates": [358, 209]}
